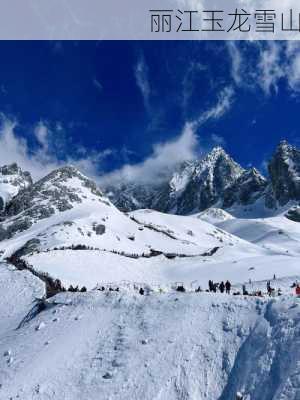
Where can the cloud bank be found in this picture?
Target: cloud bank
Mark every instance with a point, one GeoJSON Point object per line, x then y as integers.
{"type": "Point", "coordinates": [166, 156]}
{"type": "Point", "coordinates": [42, 160]}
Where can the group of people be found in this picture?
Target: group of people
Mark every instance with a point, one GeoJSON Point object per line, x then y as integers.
{"type": "Point", "coordinates": [213, 287]}
{"type": "Point", "coordinates": [296, 286]}
{"type": "Point", "coordinates": [222, 287]}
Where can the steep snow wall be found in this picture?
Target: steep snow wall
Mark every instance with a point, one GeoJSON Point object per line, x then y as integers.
{"type": "Point", "coordinates": [158, 347]}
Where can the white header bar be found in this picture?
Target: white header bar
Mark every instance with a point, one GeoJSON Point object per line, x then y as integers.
{"type": "Point", "coordinates": [150, 19]}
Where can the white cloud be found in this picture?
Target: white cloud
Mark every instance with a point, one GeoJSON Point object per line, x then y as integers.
{"type": "Point", "coordinates": [157, 167]}
{"type": "Point", "coordinates": [188, 84]}
{"type": "Point", "coordinates": [293, 73]}
{"type": "Point", "coordinates": [223, 104]}
{"type": "Point", "coordinates": [265, 64]}
{"type": "Point", "coordinates": [41, 133]}
{"type": "Point", "coordinates": [270, 69]}
{"type": "Point", "coordinates": [236, 60]}
{"type": "Point", "coordinates": [14, 148]}
{"type": "Point", "coordinates": [166, 156]}
{"type": "Point", "coordinates": [142, 81]}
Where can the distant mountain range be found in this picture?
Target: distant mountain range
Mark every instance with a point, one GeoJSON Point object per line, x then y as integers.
{"type": "Point", "coordinates": [214, 181]}
{"type": "Point", "coordinates": [217, 181]}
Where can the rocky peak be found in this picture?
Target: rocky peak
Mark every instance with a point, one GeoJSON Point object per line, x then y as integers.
{"type": "Point", "coordinates": [217, 169]}
{"type": "Point", "coordinates": [201, 184]}
{"type": "Point", "coordinates": [59, 191]}
{"type": "Point", "coordinates": [284, 170]}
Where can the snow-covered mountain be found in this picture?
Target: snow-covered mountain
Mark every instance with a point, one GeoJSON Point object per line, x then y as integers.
{"type": "Point", "coordinates": [117, 344]}
{"type": "Point", "coordinates": [194, 186]}
{"type": "Point", "coordinates": [217, 181]}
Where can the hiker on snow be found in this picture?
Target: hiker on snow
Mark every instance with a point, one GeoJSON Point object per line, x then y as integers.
{"type": "Point", "coordinates": [210, 286]}
{"type": "Point", "coordinates": [227, 287]}
{"type": "Point", "coordinates": [245, 293]}
{"type": "Point", "coordinates": [222, 287]}
{"type": "Point", "coordinates": [269, 289]}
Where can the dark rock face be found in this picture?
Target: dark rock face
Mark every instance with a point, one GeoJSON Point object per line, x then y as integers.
{"type": "Point", "coordinates": [284, 170]}
{"type": "Point", "coordinates": [248, 188]}
{"type": "Point", "coordinates": [12, 180]}
{"type": "Point", "coordinates": [210, 179]}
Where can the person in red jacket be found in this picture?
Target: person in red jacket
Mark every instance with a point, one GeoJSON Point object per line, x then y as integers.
{"type": "Point", "coordinates": [298, 290]}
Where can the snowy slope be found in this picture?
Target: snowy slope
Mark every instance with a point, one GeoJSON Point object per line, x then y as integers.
{"type": "Point", "coordinates": [116, 257]}
{"type": "Point", "coordinates": [163, 346]}
{"type": "Point", "coordinates": [279, 233]}
{"type": "Point", "coordinates": [91, 267]}
{"type": "Point", "coordinates": [19, 290]}
{"type": "Point", "coordinates": [65, 217]}
{"type": "Point", "coordinates": [65, 209]}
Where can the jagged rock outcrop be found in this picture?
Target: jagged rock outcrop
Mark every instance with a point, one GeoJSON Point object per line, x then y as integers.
{"type": "Point", "coordinates": [12, 180]}
{"type": "Point", "coordinates": [284, 170]}
{"type": "Point", "coordinates": [249, 187]}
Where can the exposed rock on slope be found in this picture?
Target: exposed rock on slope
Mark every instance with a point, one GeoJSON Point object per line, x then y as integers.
{"type": "Point", "coordinates": [59, 191]}
{"type": "Point", "coordinates": [12, 180]}
{"type": "Point", "coordinates": [284, 170]}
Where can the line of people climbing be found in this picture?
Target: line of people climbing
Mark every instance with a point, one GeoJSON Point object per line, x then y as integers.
{"type": "Point", "coordinates": [213, 287]}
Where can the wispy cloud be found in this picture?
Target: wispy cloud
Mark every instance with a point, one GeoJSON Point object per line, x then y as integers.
{"type": "Point", "coordinates": [166, 156]}
{"type": "Point", "coordinates": [15, 148]}
{"type": "Point", "coordinates": [157, 167]}
{"type": "Point", "coordinates": [217, 140]}
{"type": "Point", "coordinates": [98, 85]}
{"type": "Point", "coordinates": [142, 81]}
{"type": "Point", "coordinates": [188, 82]}
{"type": "Point", "coordinates": [265, 64]}
{"type": "Point", "coordinates": [223, 104]}
{"type": "Point", "coordinates": [236, 61]}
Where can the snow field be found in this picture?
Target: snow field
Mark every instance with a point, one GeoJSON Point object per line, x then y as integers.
{"type": "Point", "coordinates": [162, 346]}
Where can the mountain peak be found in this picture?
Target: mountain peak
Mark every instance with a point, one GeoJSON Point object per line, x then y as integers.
{"type": "Point", "coordinates": [65, 172]}
{"type": "Point", "coordinates": [217, 151]}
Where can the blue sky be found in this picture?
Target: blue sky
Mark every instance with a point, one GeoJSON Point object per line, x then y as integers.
{"type": "Point", "coordinates": [141, 107]}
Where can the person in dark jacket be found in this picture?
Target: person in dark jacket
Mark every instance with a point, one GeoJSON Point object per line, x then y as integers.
{"type": "Point", "coordinates": [210, 286]}
{"type": "Point", "coordinates": [222, 287]}
{"type": "Point", "coordinates": [228, 287]}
